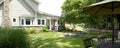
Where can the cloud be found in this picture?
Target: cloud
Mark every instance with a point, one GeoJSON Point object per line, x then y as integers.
{"type": "Point", "coordinates": [51, 6]}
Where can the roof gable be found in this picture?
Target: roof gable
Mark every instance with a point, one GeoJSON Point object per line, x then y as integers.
{"type": "Point", "coordinates": [31, 6]}
{"type": "Point", "coordinates": [17, 9]}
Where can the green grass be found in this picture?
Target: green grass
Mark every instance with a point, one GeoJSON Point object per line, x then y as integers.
{"type": "Point", "coordinates": [53, 40]}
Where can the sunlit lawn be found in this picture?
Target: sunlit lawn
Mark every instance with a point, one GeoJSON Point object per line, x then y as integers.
{"type": "Point", "coordinates": [53, 40]}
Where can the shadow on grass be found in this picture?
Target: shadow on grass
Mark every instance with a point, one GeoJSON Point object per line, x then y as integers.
{"type": "Point", "coordinates": [58, 43]}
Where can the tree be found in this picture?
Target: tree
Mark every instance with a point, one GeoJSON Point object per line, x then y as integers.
{"type": "Point", "coordinates": [71, 12]}
{"type": "Point", "coordinates": [100, 21]}
{"type": "Point", "coordinates": [6, 22]}
{"type": "Point", "coordinates": [88, 2]}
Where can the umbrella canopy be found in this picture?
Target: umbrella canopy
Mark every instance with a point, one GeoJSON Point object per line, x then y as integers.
{"type": "Point", "coordinates": [104, 7]}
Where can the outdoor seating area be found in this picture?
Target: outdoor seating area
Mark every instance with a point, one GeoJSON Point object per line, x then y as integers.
{"type": "Point", "coordinates": [107, 45]}
{"type": "Point", "coordinates": [106, 7]}
{"type": "Point", "coordinates": [62, 24]}
{"type": "Point", "coordinates": [103, 42]}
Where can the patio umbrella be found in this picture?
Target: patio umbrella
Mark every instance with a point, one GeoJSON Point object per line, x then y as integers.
{"type": "Point", "coordinates": [104, 7]}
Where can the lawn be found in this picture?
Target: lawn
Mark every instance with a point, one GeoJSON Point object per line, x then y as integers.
{"type": "Point", "coordinates": [53, 40]}
{"type": "Point", "coordinates": [17, 38]}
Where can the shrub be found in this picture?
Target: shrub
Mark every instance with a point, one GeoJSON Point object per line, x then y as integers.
{"type": "Point", "coordinates": [44, 29]}
{"type": "Point", "coordinates": [65, 30]}
{"type": "Point", "coordinates": [28, 31]}
{"type": "Point", "coordinates": [92, 33]}
{"type": "Point", "coordinates": [107, 34]}
{"type": "Point", "coordinates": [31, 31]}
{"type": "Point", "coordinates": [62, 28]}
{"type": "Point", "coordinates": [14, 38]}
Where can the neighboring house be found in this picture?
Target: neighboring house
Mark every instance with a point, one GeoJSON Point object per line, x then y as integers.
{"type": "Point", "coordinates": [24, 13]}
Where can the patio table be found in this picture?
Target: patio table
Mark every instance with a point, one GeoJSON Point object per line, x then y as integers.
{"type": "Point", "coordinates": [107, 45]}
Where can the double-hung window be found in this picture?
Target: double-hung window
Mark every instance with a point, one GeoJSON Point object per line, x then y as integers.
{"type": "Point", "coordinates": [22, 21]}
{"type": "Point", "coordinates": [41, 21]}
{"type": "Point", "coordinates": [26, 21]}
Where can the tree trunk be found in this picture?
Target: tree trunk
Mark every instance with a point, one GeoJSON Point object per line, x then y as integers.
{"type": "Point", "coordinates": [6, 22]}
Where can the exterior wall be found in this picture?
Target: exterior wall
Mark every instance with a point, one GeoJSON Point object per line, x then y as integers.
{"type": "Point", "coordinates": [16, 10]}
{"type": "Point", "coordinates": [35, 22]}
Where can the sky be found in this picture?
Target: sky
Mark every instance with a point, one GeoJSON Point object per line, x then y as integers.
{"type": "Point", "coordinates": [51, 6]}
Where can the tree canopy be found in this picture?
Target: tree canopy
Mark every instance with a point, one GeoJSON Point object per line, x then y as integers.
{"type": "Point", "coordinates": [71, 13]}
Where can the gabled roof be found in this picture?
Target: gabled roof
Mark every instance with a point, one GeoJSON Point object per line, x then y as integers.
{"type": "Point", "coordinates": [32, 6]}
{"type": "Point", "coordinates": [47, 14]}
{"type": "Point", "coordinates": [37, 1]}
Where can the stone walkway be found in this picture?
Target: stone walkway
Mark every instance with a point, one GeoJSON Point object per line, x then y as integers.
{"type": "Point", "coordinates": [72, 34]}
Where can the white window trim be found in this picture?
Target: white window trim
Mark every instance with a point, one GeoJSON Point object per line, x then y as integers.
{"type": "Point", "coordinates": [24, 20]}
{"type": "Point", "coordinates": [41, 22]}
{"type": "Point", "coordinates": [30, 22]}
{"type": "Point", "coordinates": [13, 20]}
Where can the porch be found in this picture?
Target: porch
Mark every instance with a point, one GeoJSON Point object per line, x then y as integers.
{"type": "Point", "coordinates": [38, 22]}
{"type": "Point", "coordinates": [53, 24]}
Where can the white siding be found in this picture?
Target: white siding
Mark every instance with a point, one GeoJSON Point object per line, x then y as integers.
{"type": "Point", "coordinates": [16, 10]}
{"type": "Point", "coordinates": [36, 21]}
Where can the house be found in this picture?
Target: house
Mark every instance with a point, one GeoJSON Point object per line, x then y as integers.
{"type": "Point", "coordinates": [24, 13]}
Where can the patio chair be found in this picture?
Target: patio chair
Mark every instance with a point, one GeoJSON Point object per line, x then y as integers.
{"type": "Point", "coordinates": [88, 42]}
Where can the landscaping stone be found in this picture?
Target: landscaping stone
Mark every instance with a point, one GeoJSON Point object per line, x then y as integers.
{"type": "Point", "coordinates": [72, 34]}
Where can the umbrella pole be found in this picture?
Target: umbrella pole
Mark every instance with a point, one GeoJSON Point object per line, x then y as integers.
{"type": "Point", "coordinates": [113, 26]}
{"type": "Point", "coordinates": [113, 30]}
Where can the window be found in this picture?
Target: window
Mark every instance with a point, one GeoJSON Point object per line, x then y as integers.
{"type": "Point", "coordinates": [22, 21]}
{"type": "Point", "coordinates": [39, 21]}
{"type": "Point", "coordinates": [27, 21]}
{"type": "Point", "coordinates": [43, 22]}
{"type": "Point", "coordinates": [14, 19]}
